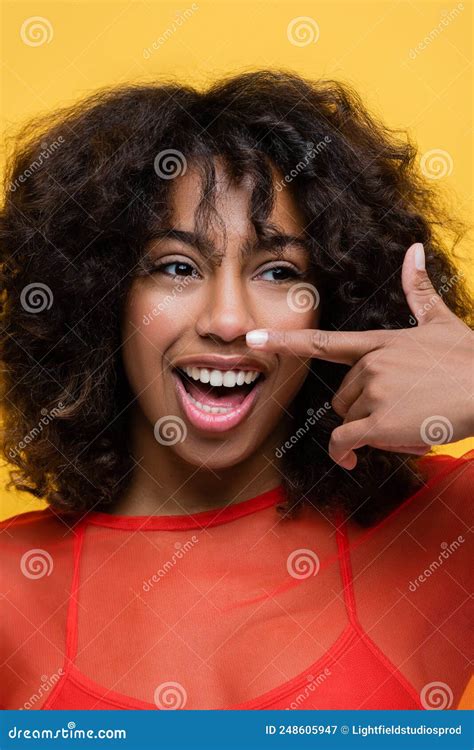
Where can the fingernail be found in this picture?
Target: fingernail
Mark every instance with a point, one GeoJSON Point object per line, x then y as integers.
{"type": "Point", "coordinates": [256, 337]}
{"type": "Point", "coordinates": [419, 256]}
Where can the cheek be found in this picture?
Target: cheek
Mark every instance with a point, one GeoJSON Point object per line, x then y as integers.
{"type": "Point", "coordinates": [293, 370]}
{"type": "Point", "coordinates": [151, 323]}
{"type": "Point", "coordinates": [296, 308]}
{"type": "Point", "coordinates": [286, 319]}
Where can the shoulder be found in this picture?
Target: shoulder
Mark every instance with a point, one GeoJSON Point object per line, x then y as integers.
{"type": "Point", "coordinates": [440, 510]}
{"type": "Point", "coordinates": [33, 541]}
{"type": "Point", "coordinates": [434, 526]}
{"type": "Point", "coordinates": [435, 464]}
{"type": "Point", "coordinates": [33, 520]}
{"type": "Point", "coordinates": [28, 517]}
{"type": "Point", "coordinates": [449, 484]}
{"type": "Point", "coordinates": [36, 572]}
{"type": "Point", "coordinates": [31, 524]}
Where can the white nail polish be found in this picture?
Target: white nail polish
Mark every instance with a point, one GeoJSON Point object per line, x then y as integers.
{"type": "Point", "coordinates": [256, 337]}
{"type": "Point", "coordinates": [419, 256]}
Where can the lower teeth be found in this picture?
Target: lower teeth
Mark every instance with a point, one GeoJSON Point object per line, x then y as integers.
{"type": "Point", "coordinates": [210, 409]}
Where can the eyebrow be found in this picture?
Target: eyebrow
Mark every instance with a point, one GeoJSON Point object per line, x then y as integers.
{"type": "Point", "coordinates": [273, 242]}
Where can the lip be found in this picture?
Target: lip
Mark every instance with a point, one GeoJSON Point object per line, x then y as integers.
{"type": "Point", "coordinates": [215, 422]}
{"type": "Point", "coordinates": [216, 362]}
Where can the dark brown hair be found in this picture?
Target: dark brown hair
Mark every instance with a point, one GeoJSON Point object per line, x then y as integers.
{"type": "Point", "coordinates": [82, 199]}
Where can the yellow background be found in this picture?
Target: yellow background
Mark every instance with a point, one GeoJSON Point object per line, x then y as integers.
{"type": "Point", "coordinates": [368, 44]}
{"type": "Point", "coordinates": [96, 44]}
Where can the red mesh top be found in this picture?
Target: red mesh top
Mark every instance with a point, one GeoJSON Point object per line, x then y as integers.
{"type": "Point", "coordinates": [238, 608]}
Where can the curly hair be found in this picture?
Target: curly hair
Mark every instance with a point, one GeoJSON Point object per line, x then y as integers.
{"type": "Point", "coordinates": [82, 200]}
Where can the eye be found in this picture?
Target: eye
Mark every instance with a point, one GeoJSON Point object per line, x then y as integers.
{"type": "Point", "coordinates": [180, 269]}
{"type": "Point", "coordinates": [281, 273]}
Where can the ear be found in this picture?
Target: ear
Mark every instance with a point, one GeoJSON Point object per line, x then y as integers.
{"type": "Point", "coordinates": [423, 300]}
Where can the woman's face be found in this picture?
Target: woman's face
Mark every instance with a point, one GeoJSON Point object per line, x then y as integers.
{"type": "Point", "coordinates": [193, 313]}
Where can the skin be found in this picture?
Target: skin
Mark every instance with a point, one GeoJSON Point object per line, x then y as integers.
{"type": "Point", "coordinates": [211, 315]}
{"type": "Point", "coordinates": [386, 405]}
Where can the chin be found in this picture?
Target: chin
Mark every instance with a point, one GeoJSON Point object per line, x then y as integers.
{"type": "Point", "coordinates": [212, 456]}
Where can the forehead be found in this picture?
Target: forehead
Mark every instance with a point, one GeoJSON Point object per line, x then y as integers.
{"type": "Point", "coordinates": [230, 202]}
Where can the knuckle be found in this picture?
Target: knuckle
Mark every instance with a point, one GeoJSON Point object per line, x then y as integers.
{"type": "Point", "coordinates": [373, 393]}
{"type": "Point", "coordinates": [371, 366]}
{"type": "Point", "coordinates": [283, 338]}
{"type": "Point", "coordinates": [320, 341]}
{"type": "Point", "coordinates": [429, 297]}
{"type": "Point", "coordinates": [337, 438]}
{"type": "Point", "coordinates": [376, 427]}
{"type": "Point", "coordinates": [424, 285]}
{"type": "Point", "coordinates": [338, 405]}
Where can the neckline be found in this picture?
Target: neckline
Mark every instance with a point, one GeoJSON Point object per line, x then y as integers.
{"type": "Point", "coordinates": [201, 519]}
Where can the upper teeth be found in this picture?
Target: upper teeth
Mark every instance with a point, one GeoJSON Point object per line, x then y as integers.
{"type": "Point", "coordinates": [229, 378]}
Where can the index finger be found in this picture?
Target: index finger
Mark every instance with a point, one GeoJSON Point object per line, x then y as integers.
{"type": "Point", "coordinates": [344, 347]}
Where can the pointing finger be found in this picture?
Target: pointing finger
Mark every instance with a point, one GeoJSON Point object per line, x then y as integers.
{"type": "Point", "coordinates": [344, 347]}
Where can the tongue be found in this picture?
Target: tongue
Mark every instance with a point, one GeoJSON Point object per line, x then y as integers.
{"type": "Point", "coordinates": [217, 396]}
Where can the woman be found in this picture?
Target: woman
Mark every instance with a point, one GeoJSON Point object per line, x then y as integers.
{"type": "Point", "coordinates": [211, 537]}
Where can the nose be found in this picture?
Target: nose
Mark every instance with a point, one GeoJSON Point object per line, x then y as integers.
{"type": "Point", "coordinates": [226, 308]}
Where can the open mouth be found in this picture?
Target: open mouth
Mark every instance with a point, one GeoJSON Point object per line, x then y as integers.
{"type": "Point", "coordinates": [216, 399]}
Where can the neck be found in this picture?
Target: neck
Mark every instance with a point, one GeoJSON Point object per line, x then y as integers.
{"type": "Point", "coordinates": [164, 484]}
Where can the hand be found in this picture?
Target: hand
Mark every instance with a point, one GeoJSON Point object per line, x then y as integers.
{"type": "Point", "coordinates": [407, 389]}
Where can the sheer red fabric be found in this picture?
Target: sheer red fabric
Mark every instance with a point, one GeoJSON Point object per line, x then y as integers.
{"type": "Point", "coordinates": [236, 608]}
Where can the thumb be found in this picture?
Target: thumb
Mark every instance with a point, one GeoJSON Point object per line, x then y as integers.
{"type": "Point", "coordinates": [423, 300]}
